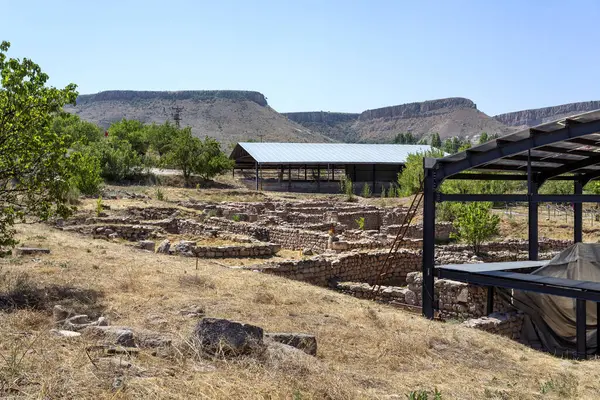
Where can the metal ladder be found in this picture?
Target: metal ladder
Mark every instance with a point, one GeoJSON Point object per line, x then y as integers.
{"type": "Point", "coordinates": [384, 270]}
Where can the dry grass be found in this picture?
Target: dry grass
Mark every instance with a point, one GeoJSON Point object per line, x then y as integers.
{"type": "Point", "coordinates": [365, 350]}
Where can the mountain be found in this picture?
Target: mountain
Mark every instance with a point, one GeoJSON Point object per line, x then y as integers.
{"type": "Point", "coordinates": [448, 117]}
{"type": "Point", "coordinates": [230, 116]}
{"type": "Point", "coordinates": [547, 114]}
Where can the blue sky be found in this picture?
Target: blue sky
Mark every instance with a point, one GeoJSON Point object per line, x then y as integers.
{"type": "Point", "coordinates": [319, 55]}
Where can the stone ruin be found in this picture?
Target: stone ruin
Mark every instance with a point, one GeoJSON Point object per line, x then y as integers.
{"type": "Point", "coordinates": [344, 247]}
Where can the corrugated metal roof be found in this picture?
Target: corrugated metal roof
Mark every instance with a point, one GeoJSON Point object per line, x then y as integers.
{"type": "Point", "coordinates": [331, 153]}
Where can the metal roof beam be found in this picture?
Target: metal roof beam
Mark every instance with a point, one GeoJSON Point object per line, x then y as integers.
{"type": "Point", "coordinates": [557, 160]}
{"type": "Point", "coordinates": [534, 198]}
{"type": "Point", "coordinates": [505, 177]}
{"type": "Point", "coordinates": [535, 139]}
{"type": "Point", "coordinates": [571, 167]}
{"type": "Point", "coordinates": [564, 150]}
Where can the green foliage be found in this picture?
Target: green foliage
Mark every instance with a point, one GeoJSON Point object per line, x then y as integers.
{"type": "Point", "coordinates": [411, 177]}
{"type": "Point", "coordinates": [160, 196]}
{"type": "Point", "coordinates": [475, 223]}
{"type": "Point", "coordinates": [79, 131]}
{"type": "Point", "coordinates": [454, 145]}
{"type": "Point", "coordinates": [347, 187]}
{"type": "Point", "coordinates": [483, 138]}
{"type": "Point", "coordinates": [405, 138]}
{"type": "Point", "coordinates": [194, 156]}
{"type": "Point", "coordinates": [85, 172]}
{"type": "Point", "coordinates": [34, 169]}
{"type": "Point", "coordinates": [382, 194]}
{"type": "Point", "coordinates": [236, 218]}
{"type": "Point", "coordinates": [424, 395]}
{"type": "Point", "coordinates": [118, 160]}
{"type": "Point", "coordinates": [436, 141]}
{"type": "Point", "coordinates": [132, 132]}
{"type": "Point", "coordinates": [366, 191]}
{"type": "Point", "coordinates": [99, 206]}
{"type": "Point", "coordinates": [557, 187]}
{"type": "Point", "coordinates": [361, 223]}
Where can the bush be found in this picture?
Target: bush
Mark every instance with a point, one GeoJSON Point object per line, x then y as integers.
{"type": "Point", "coordinates": [475, 223]}
{"type": "Point", "coordinates": [347, 187]}
{"type": "Point", "coordinates": [361, 223]}
{"type": "Point", "coordinates": [99, 206]}
{"type": "Point", "coordinates": [118, 160]}
{"type": "Point", "coordinates": [411, 177]}
{"type": "Point", "coordinates": [366, 191]}
{"type": "Point", "coordinates": [85, 171]}
{"type": "Point", "coordinates": [424, 395]}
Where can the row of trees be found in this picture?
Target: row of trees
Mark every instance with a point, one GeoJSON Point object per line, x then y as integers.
{"type": "Point", "coordinates": [450, 145]}
{"type": "Point", "coordinates": [46, 154]}
{"type": "Point", "coordinates": [131, 148]}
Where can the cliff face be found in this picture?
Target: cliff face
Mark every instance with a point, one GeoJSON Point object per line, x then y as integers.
{"type": "Point", "coordinates": [546, 114]}
{"type": "Point", "coordinates": [449, 117]}
{"type": "Point", "coordinates": [227, 115]}
{"type": "Point", "coordinates": [420, 109]}
{"type": "Point", "coordinates": [200, 95]}
{"type": "Point", "coordinates": [322, 117]}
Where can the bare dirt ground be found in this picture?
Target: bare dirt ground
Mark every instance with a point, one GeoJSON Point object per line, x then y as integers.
{"type": "Point", "coordinates": [365, 350]}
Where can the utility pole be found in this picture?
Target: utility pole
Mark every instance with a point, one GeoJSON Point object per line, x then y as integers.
{"type": "Point", "coordinates": [260, 135]}
{"type": "Point", "coordinates": [177, 115]}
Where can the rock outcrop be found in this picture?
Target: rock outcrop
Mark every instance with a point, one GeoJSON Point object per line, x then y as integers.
{"type": "Point", "coordinates": [547, 114]}
{"type": "Point", "coordinates": [130, 95]}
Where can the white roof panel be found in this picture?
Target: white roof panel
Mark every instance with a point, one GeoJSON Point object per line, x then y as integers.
{"type": "Point", "coordinates": [331, 153]}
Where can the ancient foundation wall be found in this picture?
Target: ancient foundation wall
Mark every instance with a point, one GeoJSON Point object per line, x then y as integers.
{"type": "Point", "coordinates": [505, 324]}
{"type": "Point", "coordinates": [354, 266]}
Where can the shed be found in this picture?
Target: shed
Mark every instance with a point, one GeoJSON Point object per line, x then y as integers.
{"type": "Point", "coordinates": [309, 166]}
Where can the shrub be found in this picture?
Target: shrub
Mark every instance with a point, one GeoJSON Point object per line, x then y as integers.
{"type": "Point", "coordinates": [361, 223]}
{"type": "Point", "coordinates": [475, 223]}
{"type": "Point", "coordinates": [85, 172]}
{"type": "Point", "coordinates": [99, 206]}
{"type": "Point", "coordinates": [411, 177]}
{"type": "Point", "coordinates": [347, 187]}
{"type": "Point", "coordinates": [424, 395]}
{"type": "Point", "coordinates": [118, 160]}
{"type": "Point", "coordinates": [366, 191]}
{"type": "Point", "coordinates": [160, 196]}
{"type": "Point", "coordinates": [236, 218]}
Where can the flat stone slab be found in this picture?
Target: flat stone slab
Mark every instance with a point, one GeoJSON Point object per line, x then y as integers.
{"type": "Point", "coordinates": [23, 251]}
{"type": "Point", "coordinates": [302, 341]}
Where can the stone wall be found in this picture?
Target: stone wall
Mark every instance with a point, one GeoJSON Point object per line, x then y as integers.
{"type": "Point", "coordinates": [353, 266]}
{"type": "Point", "coordinates": [505, 324]}
{"type": "Point", "coordinates": [190, 249]}
{"type": "Point", "coordinates": [442, 230]}
{"type": "Point", "coordinates": [132, 233]}
{"type": "Point", "coordinates": [457, 300]}
{"type": "Point", "coordinates": [289, 238]}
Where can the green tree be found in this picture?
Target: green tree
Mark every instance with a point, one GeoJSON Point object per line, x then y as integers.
{"type": "Point", "coordinates": [405, 138]}
{"type": "Point", "coordinates": [34, 169]}
{"type": "Point", "coordinates": [366, 191]}
{"type": "Point", "coordinates": [483, 138]}
{"type": "Point", "coordinates": [436, 141]}
{"type": "Point", "coordinates": [86, 171]}
{"type": "Point", "coordinates": [194, 156]}
{"type": "Point", "coordinates": [118, 160]}
{"type": "Point", "coordinates": [159, 136]}
{"type": "Point", "coordinates": [411, 177]}
{"type": "Point", "coordinates": [131, 131]}
{"type": "Point", "coordinates": [78, 130]}
{"type": "Point", "coordinates": [475, 223]}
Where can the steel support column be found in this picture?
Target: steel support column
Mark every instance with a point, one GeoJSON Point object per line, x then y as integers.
{"type": "Point", "coordinates": [428, 240]}
{"type": "Point", "coordinates": [374, 178]}
{"type": "Point", "coordinates": [532, 189]}
{"type": "Point", "coordinates": [289, 177]}
{"type": "Point", "coordinates": [256, 176]}
{"type": "Point", "coordinates": [578, 215]}
{"type": "Point", "coordinates": [490, 300]}
{"type": "Point", "coordinates": [318, 177]}
{"type": "Point", "coordinates": [597, 328]}
{"type": "Point", "coordinates": [580, 324]}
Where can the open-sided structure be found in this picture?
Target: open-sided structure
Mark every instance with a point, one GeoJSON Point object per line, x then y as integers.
{"type": "Point", "coordinates": [371, 163]}
{"type": "Point", "coordinates": [567, 149]}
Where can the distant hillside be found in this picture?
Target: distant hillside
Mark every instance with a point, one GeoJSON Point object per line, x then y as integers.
{"type": "Point", "coordinates": [449, 117]}
{"type": "Point", "coordinates": [229, 116]}
{"type": "Point", "coordinates": [546, 114]}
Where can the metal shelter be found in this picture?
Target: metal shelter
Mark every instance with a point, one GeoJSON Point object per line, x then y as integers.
{"type": "Point", "coordinates": [567, 149]}
{"type": "Point", "coordinates": [361, 162]}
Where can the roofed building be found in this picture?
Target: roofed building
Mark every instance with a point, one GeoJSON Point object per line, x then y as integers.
{"type": "Point", "coordinates": [318, 167]}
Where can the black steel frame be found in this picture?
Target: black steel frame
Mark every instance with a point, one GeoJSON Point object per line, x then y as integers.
{"type": "Point", "coordinates": [570, 147]}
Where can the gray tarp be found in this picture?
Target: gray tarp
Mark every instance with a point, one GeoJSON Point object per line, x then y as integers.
{"type": "Point", "coordinates": [550, 320]}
